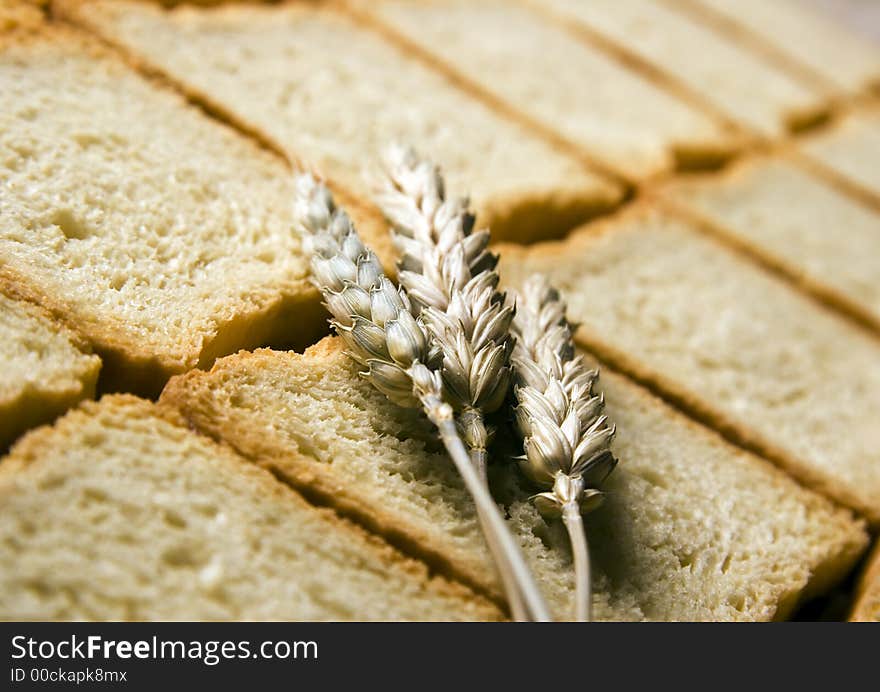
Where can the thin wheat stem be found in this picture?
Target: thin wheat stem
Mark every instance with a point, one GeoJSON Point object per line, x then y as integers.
{"type": "Point", "coordinates": [574, 523]}
{"type": "Point", "coordinates": [566, 433]}
{"type": "Point", "coordinates": [524, 597]}
{"type": "Point", "coordinates": [479, 459]}
{"type": "Point", "coordinates": [509, 552]}
{"type": "Point", "coordinates": [449, 275]}
{"type": "Point", "coordinates": [518, 610]}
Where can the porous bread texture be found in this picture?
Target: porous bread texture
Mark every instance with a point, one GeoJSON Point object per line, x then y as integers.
{"type": "Point", "coordinates": [727, 341]}
{"type": "Point", "coordinates": [559, 81]}
{"type": "Point", "coordinates": [119, 512]}
{"type": "Point", "coordinates": [685, 533]}
{"type": "Point", "coordinates": [165, 238]}
{"type": "Point", "coordinates": [867, 606]}
{"type": "Point", "coordinates": [825, 240]}
{"type": "Point", "coordinates": [334, 94]}
{"type": "Point", "coordinates": [45, 368]}
{"type": "Point", "coordinates": [840, 56]}
{"type": "Point", "coordinates": [733, 79]}
{"type": "Point", "coordinates": [851, 149]}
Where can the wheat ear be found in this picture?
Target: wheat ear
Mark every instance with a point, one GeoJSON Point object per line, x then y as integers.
{"type": "Point", "coordinates": [374, 319]}
{"type": "Point", "coordinates": [449, 275]}
{"type": "Point", "coordinates": [566, 435]}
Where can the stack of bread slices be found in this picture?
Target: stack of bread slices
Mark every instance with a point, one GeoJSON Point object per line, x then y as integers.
{"type": "Point", "coordinates": [183, 438]}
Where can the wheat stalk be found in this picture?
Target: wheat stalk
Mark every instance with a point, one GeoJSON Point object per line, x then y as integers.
{"type": "Point", "coordinates": [375, 320]}
{"type": "Point", "coordinates": [449, 275]}
{"type": "Point", "coordinates": [566, 435]}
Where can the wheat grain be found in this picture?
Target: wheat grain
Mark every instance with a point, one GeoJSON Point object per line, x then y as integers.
{"type": "Point", "coordinates": [375, 320]}
{"type": "Point", "coordinates": [450, 277]}
{"type": "Point", "coordinates": [369, 313]}
{"type": "Point", "coordinates": [566, 435]}
{"type": "Point", "coordinates": [449, 274]}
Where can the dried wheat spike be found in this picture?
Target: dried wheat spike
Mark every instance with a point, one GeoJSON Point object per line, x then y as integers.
{"type": "Point", "coordinates": [375, 320]}
{"type": "Point", "coordinates": [566, 434]}
{"type": "Point", "coordinates": [450, 277]}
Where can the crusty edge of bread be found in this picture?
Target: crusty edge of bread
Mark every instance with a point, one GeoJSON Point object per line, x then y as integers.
{"type": "Point", "coordinates": [76, 13]}
{"type": "Point", "coordinates": [665, 198]}
{"type": "Point", "coordinates": [367, 217]}
{"type": "Point", "coordinates": [681, 396]}
{"type": "Point", "coordinates": [519, 218]}
{"type": "Point", "coordinates": [654, 73]}
{"type": "Point", "coordinates": [17, 293]}
{"type": "Point", "coordinates": [31, 450]}
{"type": "Point", "coordinates": [190, 394]}
{"type": "Point", "coordinates": [186, 393]}
{"type": "Point", "coordinates": [803, 150]}
{"type": "Point", "coordinates": [790, 119]}
{"type": "Point", "coordinates": [543, 215]}
{"type": "Point", "coordinates": [37, 406]}
{"type": "Point", "coordinates": [680, 155]}
{"type": "Point", "coordinates": [127, 365]}
{"type": "Point", "coordinates": [768, 49]}
{"type": "Point", "coordinates": [824, 575]}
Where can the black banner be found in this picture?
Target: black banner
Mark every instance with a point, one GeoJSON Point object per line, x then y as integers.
{"type": "Point", "coordinates": [325, 655]}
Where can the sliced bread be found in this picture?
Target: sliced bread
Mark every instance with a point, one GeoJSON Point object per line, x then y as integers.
{"type": "Point", "coordinates": [119, 512]}
{"type": "Point", "coordinates": [686, 533]}
{"type": "Point", "coordinates": [729, 342]}
{"type": "Point", "coordinates": [824, 240]}
{"type": "Point", "coordinates": [867, 607]}
{"type": "Point", "coordinates": [851, 150]}
{"type": "Point", "coordinates": [333, 94]}
{"type": "Point", "coordinates": [792, 30]}
{"type": "Point", "coordinates": [558, 82]}
{"type": "Point", "coordinates": [163, 236]}
{"type": "Point", "coordinates": [46, 368]}
{"type": "Point", "coordinates": [734, 80]}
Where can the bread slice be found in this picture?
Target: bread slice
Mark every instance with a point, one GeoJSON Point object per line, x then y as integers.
{"type": "Point", "coordinates": [729, 342]}
{"type": "Point", "coordinates": [509, 53]}
{"type": "Point", "coordinates": [824, 240]}
{"type": "Point", "coordinates": [119, 512]}
{"type": "Point", "coordinates": [851, 150]}
{"type": "Point", "coordinates": [795, 32]}
{"type": "Point", "coordinates": [867, 607]}
{"type": "Point", "coordinates": [333, 95]}
{"type": "Point", "coordinates": [685, 533]}
{"type": "Point", "coordinates": [163, 236]}
{"type": "Point", "coordinates": [46, 369]}
{"type": "Point", "coordinates": [734, 80]}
